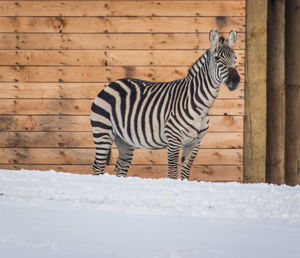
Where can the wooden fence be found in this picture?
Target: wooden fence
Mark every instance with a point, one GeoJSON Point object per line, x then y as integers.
{"type": "Point", "coordinates": [272, 92]}
{"type": "Point", "coordinates": [55, 56]}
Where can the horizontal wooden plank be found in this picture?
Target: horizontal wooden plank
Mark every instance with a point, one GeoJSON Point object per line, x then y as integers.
{"type": "Point", "coordinates": [97, 41]}
{"type": "Point", "coordinates": [83, 106]}
{"type": "Point", "coordinates": [92, 74]}
{"type": "Point", "coordinates": [120, 24]}
{"type": "Point", "coordinates": [85, 140]}
{"type": "Point", "coordinates": [204, 157]}
{"type": "Point", "coordinates": [124, 0]}
{"type": "Point", "coordinates": [9, 123]}
{"type": "Point", "coordinates": [122, 8]}
{"type": "Point", "coordinates": [106, 57]}
{"type": "Point", "coordinates": [217, 173]}
{"type": "Point", "coordinates": [85, 156]}
{"type": "Point", "coordinates": [198, 172]}
{"type": "Point", "coordinates": [77, 90]}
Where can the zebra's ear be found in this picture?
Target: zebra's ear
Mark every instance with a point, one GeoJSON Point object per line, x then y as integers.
{"type": "Point", "coordinates": [231, 39]}
{"type": "Point", "coordinates": [214, 38]}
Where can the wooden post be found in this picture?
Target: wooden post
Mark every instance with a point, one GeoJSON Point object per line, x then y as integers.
{"type": "Point", "coordinates": [292, 154]}
{"type": "Point", "coordinates": [275, 92]}
{"type": "Point", "coordinates": [255, 92]}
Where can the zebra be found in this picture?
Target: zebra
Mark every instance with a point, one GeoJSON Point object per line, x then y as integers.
{"type": "Point", "coordinates": [156, 115]}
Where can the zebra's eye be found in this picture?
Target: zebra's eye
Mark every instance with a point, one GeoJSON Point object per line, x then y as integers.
{"type": "Point", "coordinates": [217, 58]}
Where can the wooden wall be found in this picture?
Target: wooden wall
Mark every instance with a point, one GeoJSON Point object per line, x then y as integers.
{"type": "Point", "coordinates": [292, 89]}
{"type": "Point", "coordinates": [255, 122]}
{"type": "Point", "coordinates": [55, 56]}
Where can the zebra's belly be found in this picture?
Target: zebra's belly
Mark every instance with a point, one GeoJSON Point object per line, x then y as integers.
{"type": "Point", "coordinates": [142, 145]}
{"type": "Point", "coordinates": [138, 138]}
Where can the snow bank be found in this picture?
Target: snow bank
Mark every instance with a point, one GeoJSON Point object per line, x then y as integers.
{"type": "Point", "coordinates": [152, 196]}
{"type": "Point", "coordinates": [49, 214]}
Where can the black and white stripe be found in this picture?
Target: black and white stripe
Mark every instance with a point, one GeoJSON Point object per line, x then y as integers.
{"type": "Point", "coordinates": [156, 115]}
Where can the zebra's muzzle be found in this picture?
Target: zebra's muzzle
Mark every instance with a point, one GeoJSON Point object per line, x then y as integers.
{"type": "Point", "coordinates": [233, 79]}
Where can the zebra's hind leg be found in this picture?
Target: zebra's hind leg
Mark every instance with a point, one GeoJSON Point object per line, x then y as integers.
{"type": "Point", "coordinates": [189, 153]}
{"type": "Point", "coordinates": [125, 157]}
{"type": "Point", "coordinates": [103, 143]}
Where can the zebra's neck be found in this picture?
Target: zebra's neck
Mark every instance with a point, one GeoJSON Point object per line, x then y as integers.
{"type": "Point", "coordinates": [203, 83]}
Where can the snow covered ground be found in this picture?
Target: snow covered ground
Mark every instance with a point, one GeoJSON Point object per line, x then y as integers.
{"type": "Point", "coordinates": [49, 214]}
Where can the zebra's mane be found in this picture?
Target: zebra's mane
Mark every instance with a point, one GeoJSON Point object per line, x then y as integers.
{"type": "Point", "coordinates": [193, 70]}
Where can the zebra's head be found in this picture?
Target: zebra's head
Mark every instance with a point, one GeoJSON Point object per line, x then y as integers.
{"type": "Point", "coordinates": [224, 59]}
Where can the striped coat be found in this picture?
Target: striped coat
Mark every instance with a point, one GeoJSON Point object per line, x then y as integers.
{"type": "Point", "coordinates": [156, 115]}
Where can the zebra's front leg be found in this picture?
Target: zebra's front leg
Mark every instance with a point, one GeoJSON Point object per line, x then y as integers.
{"type": "Point", "coordinates": [189, 153]}
{"type": "Point", "coordinates": [124, 159]}
{"type": "Point", "coordinates": [173, 153]}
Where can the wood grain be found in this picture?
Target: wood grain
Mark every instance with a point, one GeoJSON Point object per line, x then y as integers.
{"type": "Point", "coordinates": [255, 93]}
{"type": "Point", "coordinates": [77, 90]}
{"type": "Point", "coordinates": [204, 157]}
{"type": "Point", "coordinates": [276, 98]}
{"type": "Point", "coordinates": [86, 156]}
{"type": "Point", "coordinates": [55, 56]}
{"type": "Point", "coordinates": [40, 123]}
{"type": "Point", "coordinates": [120, 24]}
{"type": "Point", "coordinates": [292, 66]}
{"type": "Point", "coordinates": [92, 73]}
{"type": "Point", "coordinates": [230, 140]}
{"type": "Point", "coordinates": [83, 106]}
{"type": "Point", "coordinates": [106, 57]}
{"type": "Point", "coordinates": [198, 172]}
{"type": "Point", "coordinates": [122, 8]}
{"type": "Point", "coordinates": [129, 41]}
